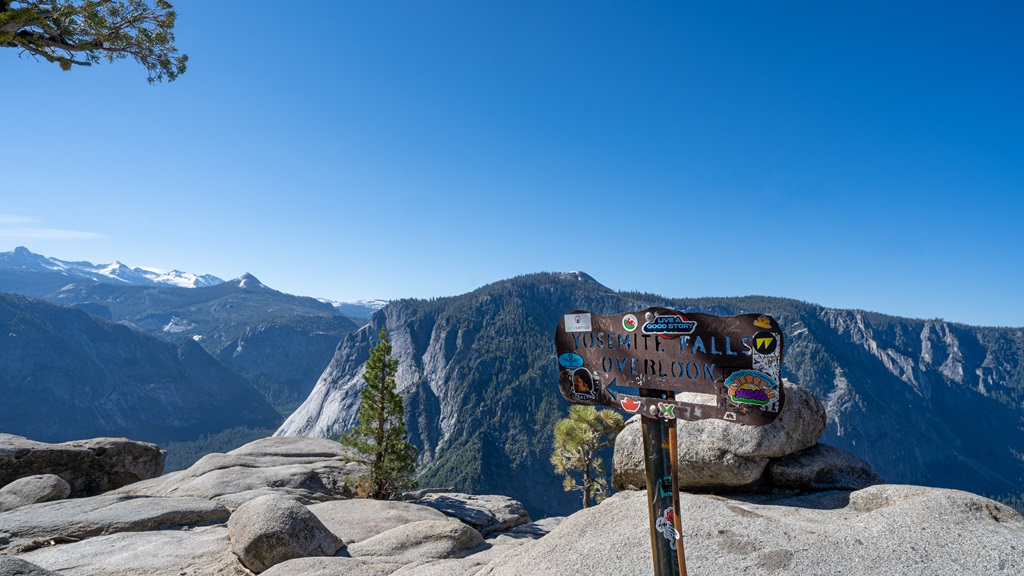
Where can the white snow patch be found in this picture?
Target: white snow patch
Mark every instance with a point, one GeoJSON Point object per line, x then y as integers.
{"type": "Point", "coordinates": [376, 304]}
{"type": "Point", "coordinates": [250, 282]}
{"type": "Point", "coordinates": [177, 325]}
{"type": "Point", "coordinates": [185, 279]}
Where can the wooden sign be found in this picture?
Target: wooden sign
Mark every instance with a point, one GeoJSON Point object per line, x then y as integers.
{"type": "Point", "coordinates": [704, 366]}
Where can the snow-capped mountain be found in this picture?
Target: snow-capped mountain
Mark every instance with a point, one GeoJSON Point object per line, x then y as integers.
{"type": "Point", "coordinates": [184, 279]}
{"type": "Point", "coordinates": [22, 259]}
{"type": "Point", "coordinates": [358, 308]}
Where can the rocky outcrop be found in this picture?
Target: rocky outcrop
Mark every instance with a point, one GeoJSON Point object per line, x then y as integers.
{"type": "Point", "coordinates": [358, 519]}
{"type": "Point", "coordinates": [885, 529]}
{"type": "Point", "coordinates": [321, 566]}
{"type": "Point", "coordinates": [308, 469]}
{"type": "Point", "coordinates": [199, 552]}
{"type": "Point", "coordinates": [88, 466]}
{"type": "Point", "coordinates": [488, 514]}
{"type": "Point", "coordinates": [181, 523]}
{"type": "Point", "coordinates": [882, 529]}
{"type": "Point", "coordinates": [714, 454]}
{"type": "Point", "coordinates": [37, 525]}
{"type": "Point", "coordinates": [537, 529]}
{"type": "Point", "coordinates": [272, 529]}
{"type": "Point", "coordinates": [417, 541]}
{"type": "Point", "coordinates": [32, 490]}
{"type": "Point", "coordinates": [11, 566]}
{"type": "Point", "coordinates": [448, 567]}
{"type": "Point", "coordinates": [822, 467]}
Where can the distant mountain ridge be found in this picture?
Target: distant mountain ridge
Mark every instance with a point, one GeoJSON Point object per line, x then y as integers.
{"type": "Point", "coordinates": [65, 374]}
{"type": "Point", "coordinates": [22, 259]}
{"type": "Point", "coordinates": [279, 342]}
{"type": "Point", "coordinates": [925, 402]}
{"type": "Point", "coordinates": [21, 269]}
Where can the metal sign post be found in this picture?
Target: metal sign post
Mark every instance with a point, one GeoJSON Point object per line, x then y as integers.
{"type": "Point", "coordinates": [666, 366]}
{"type": "Point", "coordinates": [663, 494]}
{"type": "Point", "coordinates": [677, 515]}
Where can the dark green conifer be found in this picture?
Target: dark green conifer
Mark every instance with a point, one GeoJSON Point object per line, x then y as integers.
{"type": "Point", "coordinates": [380, 437]}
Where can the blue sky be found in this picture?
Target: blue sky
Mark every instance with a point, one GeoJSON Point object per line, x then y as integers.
{"type": "Point", "coordinates": [857, 155]}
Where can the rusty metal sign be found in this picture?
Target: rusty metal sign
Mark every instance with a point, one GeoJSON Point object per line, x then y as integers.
{"type": "Point", "coordinates": [702, 366]}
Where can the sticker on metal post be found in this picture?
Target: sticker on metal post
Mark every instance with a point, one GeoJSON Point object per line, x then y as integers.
{"type": "Point", "coordinates": [666, 525]}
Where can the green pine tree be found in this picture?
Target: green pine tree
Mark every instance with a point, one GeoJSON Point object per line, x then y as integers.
{"type": "Point", "coordinates": [380, 437]}
{"type": "Point", "coordinates": [578, 440]}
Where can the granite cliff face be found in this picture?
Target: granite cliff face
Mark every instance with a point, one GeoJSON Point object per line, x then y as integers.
{"type": "Point", "coordinates": [476, 372]}
{"type": "Point", "coordinates": [927, 402]}
{"type": "Point", "coordinates": [924, 402]}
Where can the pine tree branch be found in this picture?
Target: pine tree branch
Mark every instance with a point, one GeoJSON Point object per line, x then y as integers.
{"type": "Point", "coordinates": [81, 32]}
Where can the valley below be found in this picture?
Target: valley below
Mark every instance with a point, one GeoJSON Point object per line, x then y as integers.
{"type": "Point", "coordinates": [209, 368]}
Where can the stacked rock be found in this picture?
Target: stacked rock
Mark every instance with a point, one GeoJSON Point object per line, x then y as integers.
{"type": "Point", "coordinates": [718, 455]}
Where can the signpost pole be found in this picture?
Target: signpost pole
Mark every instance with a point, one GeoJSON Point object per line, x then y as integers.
{"type": "Point", "coordinates": [673, 453]}
{"type": "Point", "coordinates": [662, 494]}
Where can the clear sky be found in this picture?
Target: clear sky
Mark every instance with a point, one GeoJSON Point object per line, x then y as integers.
{"type": "Point", "coordinates": [852, 154]}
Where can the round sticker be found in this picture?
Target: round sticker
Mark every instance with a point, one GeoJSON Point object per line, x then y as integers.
{"type": "Point", "coordinates": [629, 322]}
{"type": "Point", "coordinates": [765, 342]}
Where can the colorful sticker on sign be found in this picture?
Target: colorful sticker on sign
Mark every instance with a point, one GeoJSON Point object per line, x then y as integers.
{"type": "Point", "coordinates": [763, 322]}
{"type": "Point", "coordinates": [666, 411]}
{"type": "Point", "coordinates": [629, 322]}
{"type": "Point", "coordinates": [578, 322]}
{"type": "Point", "coordinates": [752, 387]}
{"type": "Point", "coordinates": [630, 405]}
{"type": "Point", "coordinates": [670, 325]}
{"type": "Point", "coordinates": [570, 360]}
{"type": "Point", "coordinates": [765, 342]}
{"type": "Point", "coordinates": [583, 384]}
